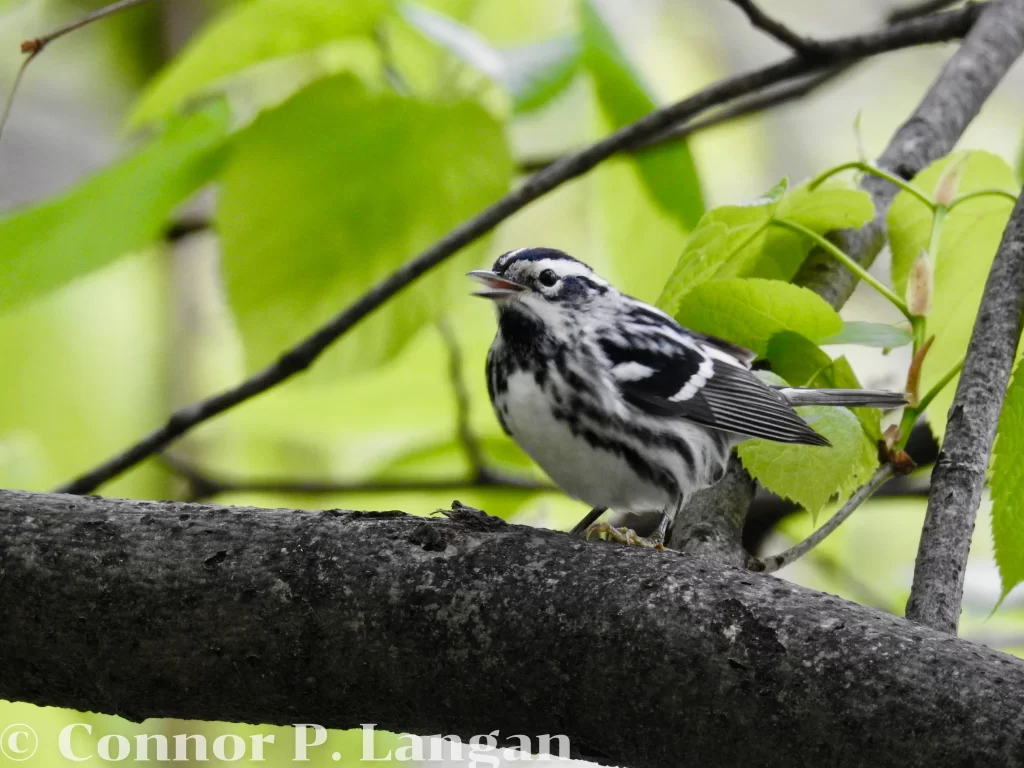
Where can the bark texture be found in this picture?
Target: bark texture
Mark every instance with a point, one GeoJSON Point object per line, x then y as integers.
{"type": "Point", "coordinates": [959, 475]}
{"type": "Point", "coordinates": [642, 658]}
{"type": "Point", "coordinates": [711, 525]}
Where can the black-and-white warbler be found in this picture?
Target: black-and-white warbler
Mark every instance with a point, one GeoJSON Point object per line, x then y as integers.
{"type": "Point", "coordinates": [619, 404]}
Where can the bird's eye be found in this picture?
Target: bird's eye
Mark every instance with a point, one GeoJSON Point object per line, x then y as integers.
{"type": "Point", "coordinates": [548, 277]}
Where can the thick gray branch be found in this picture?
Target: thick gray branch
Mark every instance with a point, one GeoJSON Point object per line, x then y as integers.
{"type": "Point", "coordinates": [642, 658]}
{"type": "Point", "coordinates": [957, 95]}
{"type": "Point", "coordinates": [959, 474]}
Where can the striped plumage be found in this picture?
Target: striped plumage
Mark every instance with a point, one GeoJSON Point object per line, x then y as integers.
{"type": "Point", "coordinates": [619, 404]}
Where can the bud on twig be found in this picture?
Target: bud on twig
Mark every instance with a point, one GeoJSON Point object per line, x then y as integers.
{"type": "Point", "coordinates": [949, 181]}
{"type": "Point", "coordinates": [862, 154]}
{"type": "Point", "coordinates": [921, 285]}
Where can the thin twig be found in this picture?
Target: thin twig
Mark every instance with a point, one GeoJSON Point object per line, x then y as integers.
{"type": "Point", "coordinates": [959, 475]}
{"type": "Point", "coordinates": [767, 99]}
{"type": "Point", "coordinates": [203, 484]}
{"type": "Point", "coordinates": [34, 46]}
{"type": "Point", "coordinates": [916, 11]}
{"type": "Point", "coordinates": [758, 18]}
{"type": "Point", "coordinates": [773, 563]}
{"type": "Point", "coordinates": [824, 243]}
{"type": "Point", "coordinates": [467, 438]}
{"type": "Point", "coordinates": [14, 89]}
{"type": "Point", "coordinates": [843, 50]}
{"type": "Point", "coordinates": [186, 227]}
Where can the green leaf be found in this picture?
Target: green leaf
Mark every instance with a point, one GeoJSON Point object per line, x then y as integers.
{"type": "Point", "coordinates": [910, 222]}
{"type": "Point", "coordinates": [249, 33]}
{"type": "Point", "coordinates": [531, 74]}
{"type": "Point", "coordinates": [121, 209]}
{"type": "Point", "coordinates": [871, 335]}
{"type": "Point", "coordinates": [726, 243]}
{"type": "Point", "coordinates": [795, 358]}
{"type": "Point", "coordinates": [538, 72]}
{"type": "Point", "coordinates": [831, 206]}
{"type": "Point", "coordinates": [668, 171]}
{"type": "Point", "coordinates": [1008, 487]}
{"type": "Point", "coordinates": [970, 236]}
{"type": "Point", "coordinates": [330, 193]}
{"type": "Point", "coordinates": [738, 241]}
{"type": "Point", "coordinates": [812, 476]}
{"type": "Point", "coordinates": [750, 311]}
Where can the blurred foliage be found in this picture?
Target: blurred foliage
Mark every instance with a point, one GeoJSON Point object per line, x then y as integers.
{"type": "Point", "coordinates": [667, 171]}
{"type": "Point", "coordinates": [249, 33]}
{"type": "Point", "coordinates": [122, 209]}
{"type": "Point", "coordinates": [412, 170]}
{"type": "Point", "coordinates": [341, 138]}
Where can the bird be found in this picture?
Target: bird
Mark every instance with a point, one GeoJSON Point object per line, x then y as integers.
{"type": "Point", "coordinates": [620, 405]}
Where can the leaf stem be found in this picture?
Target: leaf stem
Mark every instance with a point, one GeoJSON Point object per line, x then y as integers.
{"type": "Point", "coordinates": [993, 192]}
{"type": "Point", "coordinates": [862, 494]}
{"type": "Point", "coordinates": [938, 387]}
{"type": "Point", "coordinates": [846, 261]}
{"type": "Point", "coordinates": [933, 243]}
{"type": "Point", "coordinates": [911, 414]}
{"type": "Point", "coordinates": [874, 170]}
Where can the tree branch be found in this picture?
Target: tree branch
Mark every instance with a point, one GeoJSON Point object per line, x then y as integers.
{"type": "Point", "coordinates": [957, 95]}
{"type": "Point", "coordinates": [147, 609]}
{"type": "Point", "coordinates": [470, 445]}
{"type": "Point", "coordinates": [770, 97]}
{"type": "Point", "coordinates": [204, 484]}
{"type": "Point", "coordinates": [34, 46]}
{"type": "Point", "coordinates": [840, 51]}
{"type": "Point", "coordinates": [920, 9]}
{"type": "Point", "coordinates": [801, 45]}
{"type": "Point", "coordinates": [959, 475]}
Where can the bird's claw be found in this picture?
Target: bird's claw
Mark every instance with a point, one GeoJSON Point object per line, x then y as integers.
{"type": "Point", "coordinates": [624, 535]}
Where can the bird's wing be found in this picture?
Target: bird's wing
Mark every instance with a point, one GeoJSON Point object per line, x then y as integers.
{"type": "Point", "coordinates": [665, 370]}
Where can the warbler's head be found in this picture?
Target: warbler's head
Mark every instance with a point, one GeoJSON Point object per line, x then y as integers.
{"type": "Point", "coordinates": [541, 280]}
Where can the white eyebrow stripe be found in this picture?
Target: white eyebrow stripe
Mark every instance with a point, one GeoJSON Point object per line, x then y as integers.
{"type": "Point", "coordinates": [566, 268]}
{"type": "Point", "coordinates": [631, 371]}
{"type": "Point", "coordinates": [506, 258]}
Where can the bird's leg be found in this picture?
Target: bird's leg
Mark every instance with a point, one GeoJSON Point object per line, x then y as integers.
{"type": "Point", "coordinates": [630, 537]}
{"type": "Point", "coordinates": [586, 522]}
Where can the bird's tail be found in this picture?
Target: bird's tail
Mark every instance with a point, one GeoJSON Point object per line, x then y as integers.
{"type": "Point", "coordinates": [871, 398]}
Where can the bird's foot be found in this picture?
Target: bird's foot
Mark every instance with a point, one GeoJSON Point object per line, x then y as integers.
{"type": "Point", "coordinates": [626, 536]}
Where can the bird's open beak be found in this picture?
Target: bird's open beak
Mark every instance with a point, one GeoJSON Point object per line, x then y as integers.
{"type": "Point", "coordinates": [495, 287]}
